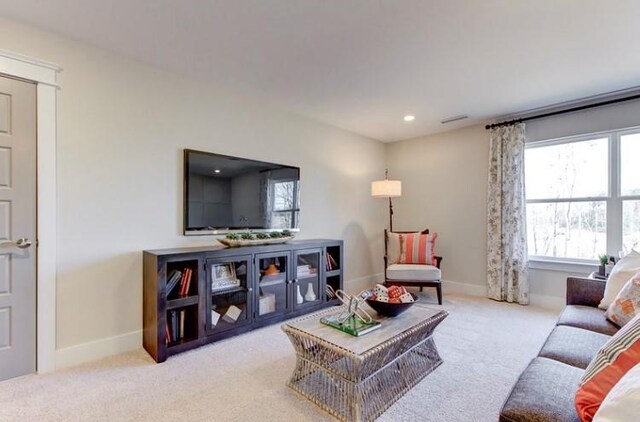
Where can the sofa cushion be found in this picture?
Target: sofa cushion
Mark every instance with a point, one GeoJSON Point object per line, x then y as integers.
{"type": "Point", "coordinates": [624, 269]}
{"type": "Point", "coordinates": [627, 303]}
{"type": "Point", "coordinates": [544, 392]}
{"type": "Point", "coordinates": [573, 346]}
{"type": "Point", "coordinates": [587, 317]}
{"type": "Point", "coordinates": [413, 272]}
{"type": "Point", "coordinates": [610, 364]}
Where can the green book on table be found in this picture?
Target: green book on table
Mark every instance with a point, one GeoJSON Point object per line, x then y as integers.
{"type": "Point", "coordinates": [354, 326]}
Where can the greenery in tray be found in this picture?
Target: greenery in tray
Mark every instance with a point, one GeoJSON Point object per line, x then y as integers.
{"type": "Point", "coordinates": [259, 235]}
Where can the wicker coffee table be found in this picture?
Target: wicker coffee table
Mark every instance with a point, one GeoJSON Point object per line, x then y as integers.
{"type": "Point", "coordinates": [358, 378]}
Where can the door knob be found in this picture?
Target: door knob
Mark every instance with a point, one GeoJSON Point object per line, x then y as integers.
{"type": "Point", "coordinates": [22, 243]}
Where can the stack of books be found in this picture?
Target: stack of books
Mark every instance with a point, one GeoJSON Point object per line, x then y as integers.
{"type": "Point", "coordinates": [181, 279]}
{"type": "Point", "coordinates": [305, 270]}
{"type": "Point", "coordinates": [174, 328]}
{"type": "Point", "coordinates": [331, 263]}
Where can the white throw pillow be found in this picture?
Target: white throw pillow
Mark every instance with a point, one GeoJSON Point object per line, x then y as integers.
{"type": "Point", "coordinates": [624, 269]}
{"type": "Point", "coordinates": [622, 404]}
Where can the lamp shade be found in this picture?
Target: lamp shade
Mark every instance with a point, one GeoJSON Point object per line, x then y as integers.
{"type": "Point", "coordinates": [386, 188]}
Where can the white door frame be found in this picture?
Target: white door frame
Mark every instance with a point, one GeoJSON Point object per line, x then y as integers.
{"type": "Point", "coordinates": [44, 75]}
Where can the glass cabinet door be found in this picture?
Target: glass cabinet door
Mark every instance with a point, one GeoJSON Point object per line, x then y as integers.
{"type": "Point", "coordinates": [272, 270]}
{"type": "Point", "coordinates": [229, 292]}
{"type": "Point", "coordinates": [307, 286]}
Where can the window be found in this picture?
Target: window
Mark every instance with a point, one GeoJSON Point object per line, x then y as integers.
{"type": "Point", "coordinates": [286, 204]}
{"type": "Point", "coordinates": [583, 196]}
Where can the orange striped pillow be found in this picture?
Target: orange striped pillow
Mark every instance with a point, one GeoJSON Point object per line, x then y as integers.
{"type": "Point", "coordinates": [613, 360]}
{"type": "Point", "coordinates": [418, 248]}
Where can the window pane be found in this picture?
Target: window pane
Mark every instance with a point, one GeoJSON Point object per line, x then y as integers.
{"type": "Point", "coordinates": [567, 229]}
{"type": "Point", "coordinates": [631, 225]}
{"type": "Point", "coordinates": [285, 195]}
{"type": "Point", "coordinates": [572, 170]}
{"type": "Point", "coordinates": [629, 168]}
{"type": "Point", "coordinates": [284, 220]}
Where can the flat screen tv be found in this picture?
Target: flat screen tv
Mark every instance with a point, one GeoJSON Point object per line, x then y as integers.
{"type": "Point", "coordinates": [223, 194]}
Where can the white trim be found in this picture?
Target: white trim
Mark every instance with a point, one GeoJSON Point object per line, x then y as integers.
{"type": "Point", "coordinates": [554, 303]}
{"type": "Point", "coordinates": [564, 266]}
{"type": "Point", "coordinates": [356, 285]}
{"type": "Point", "coordinates": [44, 74]}
{"type": "Point", "coordinates": [450, 286]}
{"type": "Point", "coordinates": [98, 349]}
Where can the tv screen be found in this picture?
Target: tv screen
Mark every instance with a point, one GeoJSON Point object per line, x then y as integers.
{"type": "Point", "coordinates": [223, 193]}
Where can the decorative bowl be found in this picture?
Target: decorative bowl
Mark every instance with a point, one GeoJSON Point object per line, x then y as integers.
{"type": "Point", "coordinates": [391, 309]}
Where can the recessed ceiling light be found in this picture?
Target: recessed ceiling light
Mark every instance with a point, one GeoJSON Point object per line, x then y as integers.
{"type": "Point", "coordinates": [216, 171]}
{"type": "Point", "coordinates": [409, 118]}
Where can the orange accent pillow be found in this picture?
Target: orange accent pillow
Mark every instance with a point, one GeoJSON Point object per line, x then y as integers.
{"type": "Point", "coordinates": [610, 364]}
{"type": "Point", "coordinates": [418, 248]}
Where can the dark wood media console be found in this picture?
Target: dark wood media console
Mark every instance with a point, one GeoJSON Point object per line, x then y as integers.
{"type": "Point", "coordinates": [219, 292]}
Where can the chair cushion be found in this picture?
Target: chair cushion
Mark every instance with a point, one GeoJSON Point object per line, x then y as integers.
{"type": "Point", "coordinates": [587, 317]}
{"type": "Point", "coordinates": [573, 346]}
{"type": "Point", "coordinates": [413, 272]}
{"type": "Point", "coordinates": [544, 392]}
{"type": "Point", "coordinates": [394, 245]}
{"type": "Point", "coordinates": [418, 248]}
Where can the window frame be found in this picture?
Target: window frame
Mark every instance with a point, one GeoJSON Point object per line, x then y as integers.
{"type": "Point", "coordinates": [614, 199]}
{"type": "Point", "coordinates": [295, 212]}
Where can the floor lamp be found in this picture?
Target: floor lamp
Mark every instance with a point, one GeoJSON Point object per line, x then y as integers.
{"type": "Point", "coordinates": [387, 189]}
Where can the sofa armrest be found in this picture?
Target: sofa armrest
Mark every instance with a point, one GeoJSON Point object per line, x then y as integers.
{"type": "Point", "coordinates": [584, 291]}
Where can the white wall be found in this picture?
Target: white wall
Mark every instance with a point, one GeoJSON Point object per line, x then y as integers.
{"type": "Point", "coordinates": [444, 188]}
{"type": "Point", "coordinates": [122, 127]}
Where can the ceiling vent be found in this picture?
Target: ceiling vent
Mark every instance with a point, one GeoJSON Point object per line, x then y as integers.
{"type": "Point", "coordinates": [454, 119]}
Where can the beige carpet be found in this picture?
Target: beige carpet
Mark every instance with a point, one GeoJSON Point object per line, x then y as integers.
{"type": "Point", "coordinates": [485, 345]}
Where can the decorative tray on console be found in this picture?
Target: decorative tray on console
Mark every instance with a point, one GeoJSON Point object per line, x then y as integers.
{"type": "Point", "coordinates": [234, 240]}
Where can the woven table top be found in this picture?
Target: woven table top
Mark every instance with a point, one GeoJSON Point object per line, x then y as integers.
{"type": "Point", "coordinates": [391, 328]}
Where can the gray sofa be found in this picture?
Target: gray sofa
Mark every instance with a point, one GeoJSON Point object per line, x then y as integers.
{"type": "Point", "coordinates": [546, 390]}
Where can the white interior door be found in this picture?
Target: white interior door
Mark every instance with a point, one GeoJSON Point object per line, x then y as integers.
{"type": "Point", "coordinates": [17, 228]}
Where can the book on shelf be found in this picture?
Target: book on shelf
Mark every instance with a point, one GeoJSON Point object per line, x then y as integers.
{"type": "Point", "coordinates": [174, 325]}
{"type": "Point", "coordinates": [185, 282]}
{"type": "Point", "coordinates": [332, 264]}
{"type": "Point", "coordinates": [182, 315]}
{"type": "Point", "coordinates": [172, 281]}
{"type": "Point", "coordinates": [352, 325]}
{"type": "Point", "coordinates": [167, 333]}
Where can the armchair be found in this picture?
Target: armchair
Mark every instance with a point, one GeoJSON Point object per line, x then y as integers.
{"type": "Point", "coordinates": [417, 275]}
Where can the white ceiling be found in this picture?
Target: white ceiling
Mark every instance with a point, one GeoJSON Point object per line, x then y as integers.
{"type": "Point", "coordinates": [363, 64]}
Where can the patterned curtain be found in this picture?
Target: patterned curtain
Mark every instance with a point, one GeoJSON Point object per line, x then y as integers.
{"type": "Point", "coordinates": [506, 223]}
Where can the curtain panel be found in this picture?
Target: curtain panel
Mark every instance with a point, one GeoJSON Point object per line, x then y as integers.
{"type": "Point", "coordinates": [506, 220]}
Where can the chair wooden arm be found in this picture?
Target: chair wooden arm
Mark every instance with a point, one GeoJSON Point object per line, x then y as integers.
{"type": "Point", "coordinates": [438, 260]}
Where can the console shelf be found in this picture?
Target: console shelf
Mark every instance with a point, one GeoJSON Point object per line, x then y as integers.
{"type": "Point", "coordinates": [228, 291]}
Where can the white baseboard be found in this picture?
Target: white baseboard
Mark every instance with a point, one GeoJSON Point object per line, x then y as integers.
{"type": "Point", "coordinates": [449, 286]}
{"type": "Point", "coordinates": [98, 349]}
{"type": "Point", "coordinates": [357, 285]}
{"type": "Point", "coordinates": [554, 303]}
